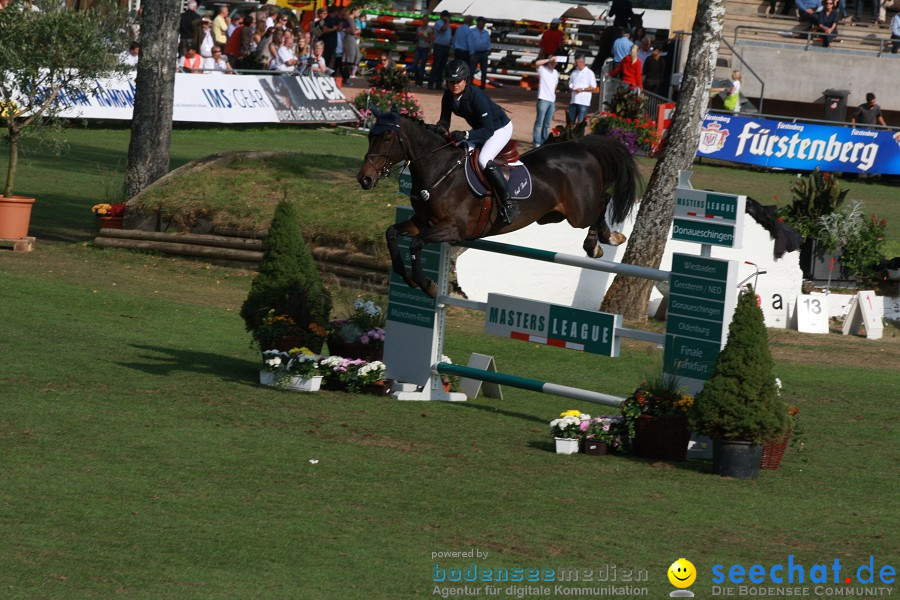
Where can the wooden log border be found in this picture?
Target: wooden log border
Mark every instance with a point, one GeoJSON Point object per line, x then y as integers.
{"type": "Point", "coordinates": [336, 264]}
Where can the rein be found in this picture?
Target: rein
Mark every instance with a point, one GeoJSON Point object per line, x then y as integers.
{"type": "Point", "coordinates": [388, 170]}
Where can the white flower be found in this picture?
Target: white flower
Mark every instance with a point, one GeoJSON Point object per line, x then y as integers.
{"type": "Point", "coordinates": [778, 384]}
{"type": "Point", "coordinates": [274, 362]}
{"type": "Point", "coordinates": [313, 461]}
{"type": "Point", "coordinates": [584, 417]}
{"type": "Point", "coordinates": [446, 359]}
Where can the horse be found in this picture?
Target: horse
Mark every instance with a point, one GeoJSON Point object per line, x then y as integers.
{"type": "Point", "coordinates": [609, 36]}
{"type": "Point", "coordinates": [569, 182]}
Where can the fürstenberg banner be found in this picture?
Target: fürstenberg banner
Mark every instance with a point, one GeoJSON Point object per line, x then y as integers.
{"type": "Point", "coordinates": [220, 98]}
{"type": "Point", "coordinates": [799, 146]}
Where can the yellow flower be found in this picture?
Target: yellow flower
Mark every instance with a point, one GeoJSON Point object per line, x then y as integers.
{"type": "Point", "coordinates": [570, 413]}
{"type": "Point", "coordinates": [101, 210]}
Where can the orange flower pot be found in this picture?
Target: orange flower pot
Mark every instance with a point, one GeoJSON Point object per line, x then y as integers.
{"type": "Point", "coordinates": [15, 216]}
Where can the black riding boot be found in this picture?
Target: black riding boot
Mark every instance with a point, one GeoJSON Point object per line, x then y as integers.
{"type": "Point", "coordinates": [508, 208]}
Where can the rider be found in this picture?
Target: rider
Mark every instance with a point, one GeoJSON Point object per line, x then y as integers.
{"type": "Point", "coordinates": [491, 128]}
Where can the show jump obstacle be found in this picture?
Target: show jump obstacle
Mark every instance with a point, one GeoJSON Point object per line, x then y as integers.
{"type": "Point", "coordinates": [702, 298]}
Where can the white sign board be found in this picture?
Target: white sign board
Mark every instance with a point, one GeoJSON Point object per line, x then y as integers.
{"type": "Point", "coordinates": [812, 313]}
{"type": "Point", "coordinates": [863, 311]}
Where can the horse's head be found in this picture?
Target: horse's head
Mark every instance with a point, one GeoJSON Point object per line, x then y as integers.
{"type": "Point", "coordinates": [637, 21]}
{"type": "Point", "coordinates": [385, 149]}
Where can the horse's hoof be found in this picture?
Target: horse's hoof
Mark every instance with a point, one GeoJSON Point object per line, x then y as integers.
{"type": "Point", "coordinates": [598, 251]}
{"type": "Point", "coordinates": [430, 288]}
{"type": "Point", "coordinates": [616, 238]}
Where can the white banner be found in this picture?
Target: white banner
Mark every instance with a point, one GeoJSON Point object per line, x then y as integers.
{"type": "Point", "coordinates": [221, 98]}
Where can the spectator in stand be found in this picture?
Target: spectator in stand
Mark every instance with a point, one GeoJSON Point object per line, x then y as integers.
{"type": "Point", "coordinates": [868, 113]}
{"type": "Point", "coordinates": [645, 49]}
{"type": "Point", "coordinates": [338, 63]}
{"type": "Point", "coordinates": [220, 25]}
{"type": "Point", "coordinates": [809, 11]}
{"type": "Point", "coordinates": [130, 57]}
{"type": "Point", "coordinates": [315, 29]}
{"type": "Point", "coordinates": [631, 69]}
{"type": "Point", "coordinates": [732, 92]}
{"type": "Point", "coordinates": [271, 13]}
{"type": "Point", "coordinates": [351, 47]}
{"type": "Point", "coordinates": [218, 62]}
{"type": "Point", "coordinates": [317, 60]}
{"type": "Point", "coordinates": [236, 21]}
{"type": "Point", "coordinates": [654, 73]}
{"type": "Point", "coordinates": [424, 41]}
{"type": "Point", "coordinates": [186, 25]}
{"type": "Point", "coordinates": [285, 58]}
{"type": "Point", "coordinates": [329, 34]}
{"type": "Point", "coordinates": [623, 13]}
{"type": "Point", "coordinates": [461, 40]}
{"type": "Point", "coordinates": [233, 45]}
{"type": "Point", "coordinates": [859, 10]}
{"type": "Point", "coordinates": [203, 38]}
{"type": "Point", "coordinates": [385, 62]}
{"type": "Point", "coordinates": [583, 83]}
{"type": "Point", "coordinates": [828, 22]}
{"type": "Point", "coordinates": [548, 80]}
{"type": "Point", "coordinates": [247, 44]}
{"type": "Point", "coordinates": [442, 37]}
{"type": "Point", "coordinates": [479, 42]}
{"type": "Point", "coordinates": [552, 40]}
{"type": "Point", "coordinates": [895, 33]}
{"type": "Point", "coordinates": [259, 32]}
{"type": "Point", "coordinates": [274, 46]}
{"type": "Point", "coordinates": [192, 61]}
{"type": "Point", "coordinates": [621, 47]}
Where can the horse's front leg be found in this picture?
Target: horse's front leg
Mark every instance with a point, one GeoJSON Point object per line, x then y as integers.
{"type": "Point", "coordinates": [391, 235]}
{"type": "Point", "coordinates": [447, 232]}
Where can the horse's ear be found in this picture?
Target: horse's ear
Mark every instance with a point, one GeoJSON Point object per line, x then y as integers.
{"type": "Point", "coordinates": [642, 14]}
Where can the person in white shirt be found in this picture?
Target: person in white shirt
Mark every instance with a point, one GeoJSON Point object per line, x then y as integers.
{"type": "Point", "coordinates": [286, 59]}
{"type": "Point", "coordinates": [548, 79]}
{"type": "Point", "coordinates": [217, 62]}
{"type": "Point", "coordinates": [204, 39]}
{"type": "Point", "coordinates": [895, 33]}
{"type": "Point", "coordinates": [317, 60]}
{"type": "Point", "coordinates": [130, 58]}
{"type": "Point", "coordinates": [583, 83]}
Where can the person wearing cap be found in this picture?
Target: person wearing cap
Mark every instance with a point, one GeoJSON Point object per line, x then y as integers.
{"type": "Point", "coordinates": [490, 129]}
{"type": "Point", "coordinates": [548, 80]}
{"type": "Point", "coordinates": [552, 40]}
{"type": "Point", "coordinates": [442, 37]}
{"type": "Point", "coordinates": [479, 42]}
{"type": "Point", "coordinates": [203, 38]}
{"type": "Point", "coordinates": [461, 40]}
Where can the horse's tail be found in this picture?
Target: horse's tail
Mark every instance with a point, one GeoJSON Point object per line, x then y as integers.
{"type": "Point", "coordinates": [619, 169]}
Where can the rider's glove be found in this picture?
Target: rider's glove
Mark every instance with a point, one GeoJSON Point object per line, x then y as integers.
{"type": "Point", "coordinates": [459, 136]}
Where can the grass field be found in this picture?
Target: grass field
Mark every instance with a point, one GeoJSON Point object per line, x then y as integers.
{"type": "Point", "coordinates": [140, 460]}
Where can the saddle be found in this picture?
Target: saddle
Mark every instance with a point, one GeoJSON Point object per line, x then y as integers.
{"type": "Point", "coordinates": [515, 172]}
{"type": "Point", "coordinates": [507, 157]}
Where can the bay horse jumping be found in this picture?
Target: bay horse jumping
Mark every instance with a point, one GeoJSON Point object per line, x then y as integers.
{"type": "Point", "coordinates": [569, 182]}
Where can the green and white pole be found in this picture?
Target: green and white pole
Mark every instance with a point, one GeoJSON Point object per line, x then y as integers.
{"type": "Point", "coordinates": [533, 385]}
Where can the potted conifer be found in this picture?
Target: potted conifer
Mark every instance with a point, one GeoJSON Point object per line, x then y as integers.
{"type": "Point", "coordinates": [739, 407]}
{"type": "Point", "coordinates": [288, 306]}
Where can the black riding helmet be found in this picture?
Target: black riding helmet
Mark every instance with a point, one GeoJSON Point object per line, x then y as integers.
{"type": "Point", "coordinates": [456, 70]}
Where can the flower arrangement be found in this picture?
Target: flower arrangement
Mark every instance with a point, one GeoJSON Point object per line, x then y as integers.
{"type": "Point", "coordinates": [351, 374]}
{"type": "Point", "coordinates": [274, 360]}
{"type": "Point", "coordinates": [281, 331]}
{"type": "Point", "coordinates": [303, 362]}
{"type": "Point", "coordinates": [451, 381]}
{"type": "Point", "coordinates": [569, 425]}
{"type": "Point", "coordinates": [383, 100]}
{"type": "Point", "coordinates": [634, 133]}
{"type": "Point", "coordinates": [659, 396]}
{"type": "Point", "coordinates": [361, 334]}
{"type": "Point", "coordinates": [116, 209]}
{"type": "Point", "coordinates": [607, 429]}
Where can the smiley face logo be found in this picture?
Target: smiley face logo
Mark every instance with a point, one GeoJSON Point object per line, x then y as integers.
{"type": "Point", "coordinates": [682, 573]}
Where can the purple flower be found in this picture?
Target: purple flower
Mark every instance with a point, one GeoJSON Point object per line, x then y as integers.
{"type": "Point", "coordinates": [364, 340]}
{"type": "Point", "coordinates": [584, 425]}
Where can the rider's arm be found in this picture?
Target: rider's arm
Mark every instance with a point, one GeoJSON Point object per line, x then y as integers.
{"type": "Point", "coordinates": [485, 128]}
{"type": "Point", "coordinates": [446, 111]}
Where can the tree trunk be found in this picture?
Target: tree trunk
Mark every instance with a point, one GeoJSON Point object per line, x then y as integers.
{"type": "Point", "coordinates": [629, 295]}
{"type": "Point", "coordinates": [151, 125]}
{"type": "Point", "coordinates": [13, 163]}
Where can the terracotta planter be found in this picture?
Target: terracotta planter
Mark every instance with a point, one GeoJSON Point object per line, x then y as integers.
{"type": "Point", "coordinates": [15, 216]}
{"type": "Point", "coordinates": [661, 438]}
{"type": "Point", "coordinates": [774, 451]}
{"type": "Point", "coordinates": [379, 388]}
{"type": "Point", "coordinates": [111, 222]}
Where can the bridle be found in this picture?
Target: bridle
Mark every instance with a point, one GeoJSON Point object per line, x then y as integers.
{"type": "Point", "coordinates": [388, 167]}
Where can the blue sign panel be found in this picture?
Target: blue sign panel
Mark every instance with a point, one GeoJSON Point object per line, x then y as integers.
{"type": "Point", "coordinates": [799, 146]}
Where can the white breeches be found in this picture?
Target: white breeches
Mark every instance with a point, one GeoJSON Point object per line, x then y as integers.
{"type": "Point", "coordinates": [495, 144]}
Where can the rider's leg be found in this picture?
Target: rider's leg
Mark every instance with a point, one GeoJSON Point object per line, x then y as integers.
{"type": "Point", "coordinates": [489, 151]}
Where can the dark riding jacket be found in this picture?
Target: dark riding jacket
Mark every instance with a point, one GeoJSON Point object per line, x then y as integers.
{"type": "Point", "coordinates": [479, 111]}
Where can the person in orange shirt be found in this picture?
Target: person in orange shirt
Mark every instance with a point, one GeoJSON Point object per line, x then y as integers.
{"type": "Point", "coordinates": [630, 68]}
{"type": "Point", "coordinates": [192, 61]}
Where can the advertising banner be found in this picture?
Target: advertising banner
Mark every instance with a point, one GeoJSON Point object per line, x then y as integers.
{"type": "Point", "coordinates": [800, 146]}
{"type": "Point", "coordinates": [221, 98]}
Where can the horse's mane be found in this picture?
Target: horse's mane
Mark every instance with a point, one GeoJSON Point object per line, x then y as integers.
{"type": "Point", "coordinates": [421, 123]}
